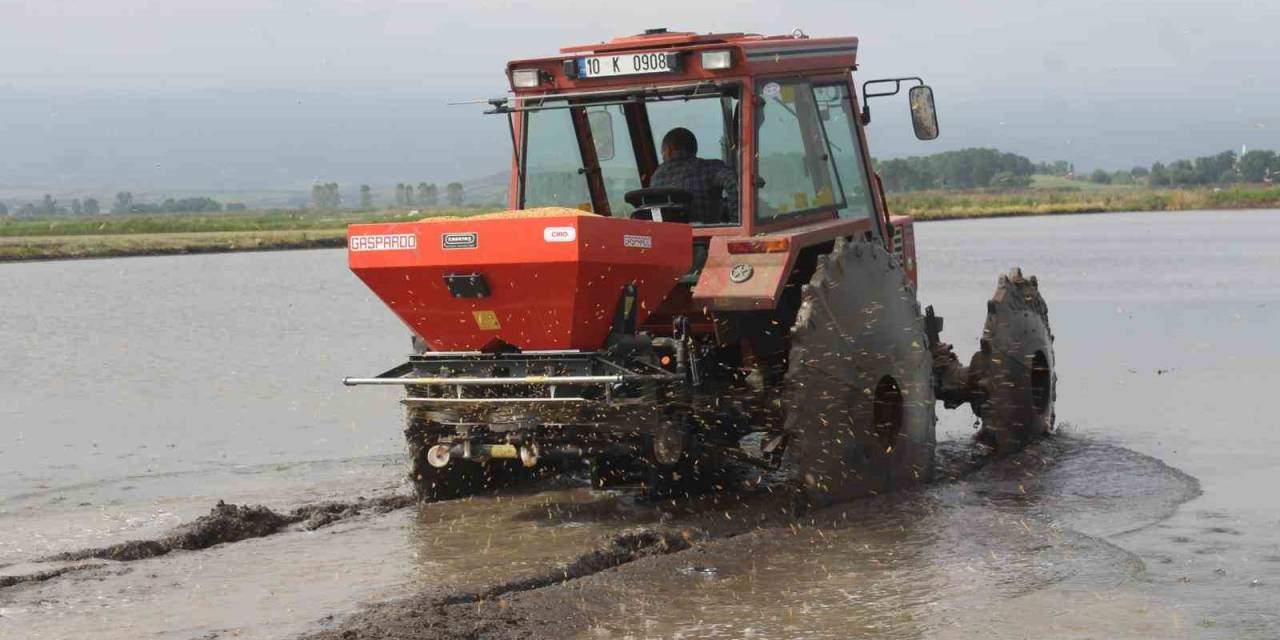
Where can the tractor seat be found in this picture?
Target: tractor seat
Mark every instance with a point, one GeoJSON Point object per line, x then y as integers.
{"type": "Point", "coordinates": [660, 204]}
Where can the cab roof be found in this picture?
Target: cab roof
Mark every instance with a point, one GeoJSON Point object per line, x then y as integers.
{"type": "Point", "coordinates": [794, 49]}
{"type": "Point", "coordinates": [662, 39]}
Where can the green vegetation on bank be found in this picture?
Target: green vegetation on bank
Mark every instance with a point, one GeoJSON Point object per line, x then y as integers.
{"type": "Point", "coordinates": [943, 205]}
{"type": "Point", "coordinates": [992, 169]}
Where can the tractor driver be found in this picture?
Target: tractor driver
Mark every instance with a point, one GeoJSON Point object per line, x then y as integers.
{"type": "Point", "coordinates": [707, 180]}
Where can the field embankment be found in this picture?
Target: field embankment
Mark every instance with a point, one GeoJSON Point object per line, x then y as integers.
{"type": "Point", "coordinates": [950, 205]}
{"type": "Point", "coordinates": [106, 236]}
{"type": "Point", "coordinates": [166, 234]}
{"type": "Point", "coordinates": [24, 248]}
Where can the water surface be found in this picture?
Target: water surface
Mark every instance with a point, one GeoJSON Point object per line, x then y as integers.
{"type": "Point", "coordinates": [136, 392]}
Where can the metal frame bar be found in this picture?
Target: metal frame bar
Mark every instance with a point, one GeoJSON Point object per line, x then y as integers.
{"type": "Point", "coordinates": [631, 94]}
{"type": "Point", "coordinates": [402, 375]}
{"type": "Point", "coordinates": [897, 86]}
{"type": "Point", "coordinates": [471, 354]}
{"type": "Point", "coordinates": [528, 380]}
{"type": "Point", "coordinates": [428, 401]}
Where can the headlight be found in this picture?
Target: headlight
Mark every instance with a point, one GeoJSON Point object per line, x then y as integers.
{"type": "Point", "coordinates": [526, 78]}
{"type": "Point", "coordinates": [715, 60]}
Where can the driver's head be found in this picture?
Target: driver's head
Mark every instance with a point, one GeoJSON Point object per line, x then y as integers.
{"type": "Point", "coordinates": [679, 141]}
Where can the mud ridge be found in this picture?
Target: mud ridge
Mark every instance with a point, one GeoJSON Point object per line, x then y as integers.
{"type": "Point", "coordinates": [10, 581]}
{"type": "Point", "coordinates": [623, 548]}
{"type": "Point", "coordinates": [233, 523]}
{"type": "Point", "coordinates": [516, 609]}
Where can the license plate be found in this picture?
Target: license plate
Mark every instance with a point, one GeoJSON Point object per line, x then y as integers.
{"type": "Point", "coordinates": [627, 64]}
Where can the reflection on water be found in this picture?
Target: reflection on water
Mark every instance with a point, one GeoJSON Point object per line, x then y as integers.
{"type": "Point", "coordinates": [916, 565]}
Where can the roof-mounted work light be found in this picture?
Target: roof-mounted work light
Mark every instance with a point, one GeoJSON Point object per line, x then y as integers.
{"type": "Point", "coordinates": [717, 60]}
{"type": "Point", "coordinates": [526, 78]}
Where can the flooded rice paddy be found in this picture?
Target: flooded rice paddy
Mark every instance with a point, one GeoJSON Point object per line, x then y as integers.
{"type": "Point", "coordinates": [136, 393]}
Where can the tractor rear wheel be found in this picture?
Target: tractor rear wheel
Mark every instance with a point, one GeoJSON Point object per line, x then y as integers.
{"type": "Point", "coordinates": [1014, 373]}
{"type": "Point", "coordinates": [861, 405]}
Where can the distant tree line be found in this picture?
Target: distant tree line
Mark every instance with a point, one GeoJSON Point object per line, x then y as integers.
{"type": "Point", "coordinates": [963, 169]}
{"type": "Point", "coordinates": [327, 196]}
{"type": "Point", "coordinates": [1256, 167]}
{"type": "Point", "coordinates": [989, 168]}
{"type": "Point", "coordinates": [124, 203]}
{"type": "Point", "coordinates": [427, 194]}
{"type": "Point", "coordinates": [48, 207]}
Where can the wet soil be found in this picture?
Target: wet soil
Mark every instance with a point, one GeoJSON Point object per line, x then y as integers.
{"type": "Point", "coordinates": [41, 576]}
{"type": "Point", "coordinates": [708, 537]}
{"type": "Point", "coordinates": [726, 538]}
{"type": "Point", "coordinates": [556, 602]}
{"type": "Point", "coordinates": [228, 523]}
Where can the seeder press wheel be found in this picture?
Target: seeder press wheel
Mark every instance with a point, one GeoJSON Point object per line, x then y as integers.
{"type": "Point", "coordinates": [457, 479]}
{"type": "Point", "coordinates": [859, 381]}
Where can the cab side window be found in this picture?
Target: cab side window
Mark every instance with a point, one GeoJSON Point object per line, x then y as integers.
{"type": "Point", "coordinates": [793, 163]}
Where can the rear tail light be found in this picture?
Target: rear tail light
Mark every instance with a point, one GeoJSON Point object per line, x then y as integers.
{"type": "Point", "coordinates": [772, 245]}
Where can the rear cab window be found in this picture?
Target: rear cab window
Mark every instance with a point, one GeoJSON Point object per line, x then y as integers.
{"type": "Point", "coordinates": [836, 113]}
{"type": "Point", "coordinates": [794, 170]}
{"type": "Point", "coordinates": [808, 156]}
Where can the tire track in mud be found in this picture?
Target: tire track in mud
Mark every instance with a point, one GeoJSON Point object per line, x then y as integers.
{"type": "Point", "coordinates": [9, 581]}
{"type": "Point", "coordinates": [228, 523]}
{"type": "Point", "coordinates": [565, 601]}
{"type": "Point", "coordinates": [621, 549]}
{"type": "Point", "coordinates": [225, 523]}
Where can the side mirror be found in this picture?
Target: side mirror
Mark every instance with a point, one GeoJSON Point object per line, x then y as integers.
{"type": "Point", "coordinates": [924, 117]}
{"type": "Point", "coordinates": [601, 123]}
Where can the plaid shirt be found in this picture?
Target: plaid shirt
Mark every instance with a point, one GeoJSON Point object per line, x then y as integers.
{"type": "Point", "coordinates": [705, 179]}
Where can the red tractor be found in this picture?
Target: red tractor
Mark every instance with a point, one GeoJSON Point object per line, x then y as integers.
{"type": "Point", "coordinates": [757, 302]}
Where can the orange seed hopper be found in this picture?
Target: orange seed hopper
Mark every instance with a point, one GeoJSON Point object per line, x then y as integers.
{"type": "Point", "coordinates": [541, 279]}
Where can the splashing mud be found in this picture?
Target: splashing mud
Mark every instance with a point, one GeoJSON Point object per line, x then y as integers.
{"type": "Point", "coordinates": [989, 535]}
{"type": "Point", "coordinates": [896, 566]}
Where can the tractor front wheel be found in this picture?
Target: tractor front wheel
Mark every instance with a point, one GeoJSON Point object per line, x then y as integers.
{"type": "Point", "coordinates": [1013, 374]}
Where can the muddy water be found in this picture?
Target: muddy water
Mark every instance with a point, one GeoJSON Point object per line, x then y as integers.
{"type": "Point", "coordinates": [1167, 368]}
{"type": "Point", "coordinates": [984, 554]}
{"type": "Point", "coordinates": [134, 393]}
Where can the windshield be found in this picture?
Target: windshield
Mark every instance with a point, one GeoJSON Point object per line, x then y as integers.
{"type": "Point", "coordinates": [553, 164]}
{"type": "Point", "coordinates": [620, 149]}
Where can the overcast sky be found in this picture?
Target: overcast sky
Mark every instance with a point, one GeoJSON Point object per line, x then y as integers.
{"type": "Point", "coordinates": [227, 94]}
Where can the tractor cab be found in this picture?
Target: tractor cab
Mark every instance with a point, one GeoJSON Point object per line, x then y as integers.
{"type": "Point", "coordinates": [782, 162]}
{"type": "Point", "coordinates": [779, 112]}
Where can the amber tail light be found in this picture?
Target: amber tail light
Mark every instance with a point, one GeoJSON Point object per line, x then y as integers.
{"type": "Point", "coordinates": [773, 245]}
